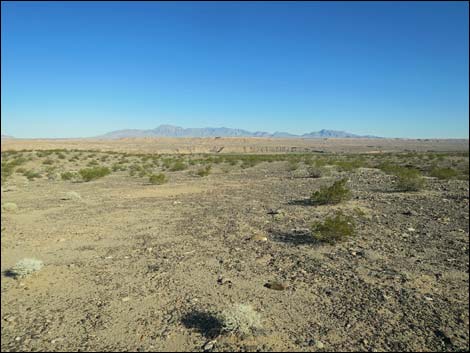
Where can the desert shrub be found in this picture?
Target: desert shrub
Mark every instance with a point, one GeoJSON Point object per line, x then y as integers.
{"type": "Point", "coordinates": [48, 161]}
{"type": "Point", "coordinates": [333, 229]}
{"type": "Point", "coordinates": [61, 156]}
{"type": "Point", "coordinates": [88, 174]}
{"type": "Point", "coordinates": [349, 165]}
{"type": "Point", "coordinates": [68, 175]}
{"type": "Point", "coordinates": [409, 179]}
{"type": "Point", "coordinates": [25, 267]}
{"type": "Point", "coordinates": [202, 172]}
{"type": "Point", "coordinates": [31, 175]}
{"type": "Point", "coordinates": [444, 173]}
{"type": "Point", "coordinates": [331, 195]}
{"type": "Point", "coordinates": [292, 165]}
{"type": "Point", "coordinates": [240, 320]}
{"type": "Point", "coordinates": [20, 170]}
{"type": "Point", "coordinates": [314, 172]}
{"type": "Point", "coordinates": [157, 179]}
{"type": "Point", "coordinates": [118, 167]}
{"type": "Point", "coordinates": [178, 166]}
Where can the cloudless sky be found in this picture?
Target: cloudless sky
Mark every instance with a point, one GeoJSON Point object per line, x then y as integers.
{"type": "Point", "coordinates": [79, 69]}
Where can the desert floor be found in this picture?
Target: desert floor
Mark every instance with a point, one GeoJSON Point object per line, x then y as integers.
{"type": "Point", "coordinates": [129, 265]}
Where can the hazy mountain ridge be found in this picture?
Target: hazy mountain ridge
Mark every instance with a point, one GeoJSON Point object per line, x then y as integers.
{"type": "Point", "coordinates": [177, 131]}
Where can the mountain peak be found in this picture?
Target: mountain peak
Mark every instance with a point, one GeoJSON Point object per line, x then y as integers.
{"type": "Point", "coordinates": [167, 130]}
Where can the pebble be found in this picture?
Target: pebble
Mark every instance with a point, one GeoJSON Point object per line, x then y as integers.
{"type": "Point", "coordinates": [126, 299]}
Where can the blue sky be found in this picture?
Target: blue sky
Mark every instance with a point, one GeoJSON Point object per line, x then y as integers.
{"type": "Point", "coordinates": [85, 68]}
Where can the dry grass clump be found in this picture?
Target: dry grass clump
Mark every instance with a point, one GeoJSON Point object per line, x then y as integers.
{"type": "Point", "coordinates": [333, 194]}
{"type": "Point", "coordinates": [25, 267]}
{"type": "Point", "coordinates": [240, 320]}
{"type": "Point", "coordinates": [333, 229]}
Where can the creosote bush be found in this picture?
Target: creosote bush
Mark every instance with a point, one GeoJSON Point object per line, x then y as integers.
{"type": "Point", "coordinates": [88, 174]}
{"type": "Point", "coordinates": [68, 175]}
{"type": "Point", "coordinates": [331, 195]}
{"type": "Point", "coordinates": [157, 179]}
{"type": "Point", "coordinates": [333, 229]}
{"type": "Point", "coordinates": [444, 173]}
{"type": "Point", "coordinates": [409, 179]}
{"type": "Point", "coordinates": [314, 172]}
{"type": "Point", "coordinates": [178, 166]}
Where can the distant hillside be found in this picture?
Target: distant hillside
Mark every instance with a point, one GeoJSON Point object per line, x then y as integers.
{"type": "Point", "coordinates": [7, 137]}
{"type": "Point", "coordinates": [177, 131]}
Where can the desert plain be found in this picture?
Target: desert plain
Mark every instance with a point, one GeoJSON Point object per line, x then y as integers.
{"type": "Point", "coordinates": [149, 244]}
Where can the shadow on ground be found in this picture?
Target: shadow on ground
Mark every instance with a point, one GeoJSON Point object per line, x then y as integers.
{"type": "Point", "coordinates": [206, 324]}
{"type": "Point", "coordinates": [294, 238]}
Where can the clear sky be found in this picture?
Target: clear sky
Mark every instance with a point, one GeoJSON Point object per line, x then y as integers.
{"type": "Point", "coordinates": [85, 68]}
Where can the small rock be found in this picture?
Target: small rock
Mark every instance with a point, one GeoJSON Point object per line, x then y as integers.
{"type": "Point", "coordinates": [126, 299]}
{"type": "Point", "coordinates": [276, 285]}
{"type": "Point", "coordinates": [259, 237]}
{"type": "Point", "coordinates": [411, 229]}
{"type": "Point", "coordinates": [71, 195]}
{"type": "Point", "coordinates": [319, 344]}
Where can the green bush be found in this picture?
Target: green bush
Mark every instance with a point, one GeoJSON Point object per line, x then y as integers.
{"type": "Point", "coordinates": [333, 229]}
{"type": "Point", "coordinates": [409, 179]}
{"type": "Point", "coordinates": [444, 173]}
{"type": "Point", "coordinates": [157, 179]}
{"type": "Point", "coordinates": [314, 172]}
{"type": "Point", "coordinates": [68, 175]}
{"type": "Point", "coordinates": [48, 161]}
{"type": "Point", "coordinates": [292, 165]}
{"type": "Point", "coordinates": [31, 175]}
{"type": "Point", "coordinates": [202, 172]}
{"type": "Point", "coordinates": [88, 174]}
{"type": "Point", "coordinates": [177, 166]}
{"type": "Point", "coordinates": [331, 195]}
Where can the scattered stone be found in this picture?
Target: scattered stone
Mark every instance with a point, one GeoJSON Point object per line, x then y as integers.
{"type": "Point", "coordinates": [126, 299]}
{"type": "Point", "coordinates": [222, 280]}
{"type": "Point", "coordinates": [71, 195]}
{"type": "Point", "coordinates": [259, 237]}
{"type": "Point", "coordinates": [411, 229]}
{"type": "Point", "coordinates": [276, 285]}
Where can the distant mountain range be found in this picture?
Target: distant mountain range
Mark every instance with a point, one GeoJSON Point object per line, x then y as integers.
{"type": "Point", "coordinates": [177, 131]}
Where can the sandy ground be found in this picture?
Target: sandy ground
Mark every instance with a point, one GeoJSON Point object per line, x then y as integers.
{"type": "Point", "coordinates": [134, 266]}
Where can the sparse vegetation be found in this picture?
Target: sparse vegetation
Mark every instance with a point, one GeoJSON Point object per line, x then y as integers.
{"type": "Point", "coordinates": [331, 195]}
{"type": "Point", "coordinates": [333, 229]}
